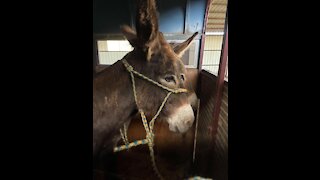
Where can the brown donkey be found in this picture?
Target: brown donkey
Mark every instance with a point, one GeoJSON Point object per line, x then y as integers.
{"type": "Point", "coordinates": [113, 101]}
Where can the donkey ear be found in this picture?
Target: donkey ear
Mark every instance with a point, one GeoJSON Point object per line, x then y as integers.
{"type": "Point", "coordinates": [182, 47]}
{"type": "Point", "coordinates": [130, 34]}
{"type": "Point", "coordinates": [147, 25]}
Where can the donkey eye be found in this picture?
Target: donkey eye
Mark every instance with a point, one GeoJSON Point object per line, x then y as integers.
{"type": "Point", "coordinates": [170, 78]}
{"type": "Point", "coordinates": [182, 76]}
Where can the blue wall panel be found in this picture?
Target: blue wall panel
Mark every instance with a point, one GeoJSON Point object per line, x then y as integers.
{"type": "Point", "coordinates": [195, 15]}
{"type": "Point", "coordinates": [172, 16]}
{"type": "Point", "coordinates": [176, 16]}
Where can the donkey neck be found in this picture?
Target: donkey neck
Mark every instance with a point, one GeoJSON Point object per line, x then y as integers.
{"type": "Point", "coordinates": [112, 95]}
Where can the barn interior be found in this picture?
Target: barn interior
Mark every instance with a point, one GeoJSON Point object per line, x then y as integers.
{"type": "Point", "coordinates": [203, 150]}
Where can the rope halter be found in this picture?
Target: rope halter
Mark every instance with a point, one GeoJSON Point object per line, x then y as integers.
{"type": "Point", "coordinates": [148, 128]}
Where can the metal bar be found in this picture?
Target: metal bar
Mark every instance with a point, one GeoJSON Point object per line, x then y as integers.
{"type": "Point", "coordinates": [217, 18]}
{"type": "Point", "coordinates": [217, 12]}
{"type": "Point", "coordinates": [210, 65]}
{"type": "Point", "coordinates": [203, 35]}
{"type": "Point", "coordinates": [220, 84]}
{"type": "Point", "coordinates": [215, 24]}
{"type": "Point", "coordinates": [219, 4]}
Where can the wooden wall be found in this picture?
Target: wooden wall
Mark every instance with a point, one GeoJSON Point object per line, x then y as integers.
{"type": "Point", "coordinates": [204, 149]}
{"type": "Point", "coordinates": [220, 159]}
{"type": "Point", "coordinates": [211, 151]}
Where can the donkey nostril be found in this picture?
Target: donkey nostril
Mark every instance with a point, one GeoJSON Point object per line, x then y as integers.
{"type": "Point", "coordinates": [189, 122]}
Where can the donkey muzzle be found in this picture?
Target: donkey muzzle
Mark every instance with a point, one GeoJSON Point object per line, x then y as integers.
{"type": "Point", "coordinates": [182, 119]}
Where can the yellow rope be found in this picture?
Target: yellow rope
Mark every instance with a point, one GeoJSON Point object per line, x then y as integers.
{"type": "Point", "coordinates": [130, 145]}
{"type": "Point", "coordinates": [130, 69]}
{"type": "Point", "coordinates": [159, 110]}
{"type": "Point", "coordinates": [125, 133]}
{"type": "Point", "coordinates": [148, 128]}
{"type": "Point", "coordinates": [123, 137]}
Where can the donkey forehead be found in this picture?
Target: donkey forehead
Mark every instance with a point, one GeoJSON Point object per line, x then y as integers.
{"type": "Point", "coordinates": [172, 65]}
{"type": "Point", "coordinates": [166, 51]}
{"type": "Point", "coordinates": [170, 60]}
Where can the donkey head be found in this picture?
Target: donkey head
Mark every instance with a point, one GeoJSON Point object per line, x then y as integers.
{"type": "Point", "coordinates": [158, 60]}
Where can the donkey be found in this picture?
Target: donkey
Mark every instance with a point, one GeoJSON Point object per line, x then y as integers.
{"type": "Point", "coordinates": [113, 101]}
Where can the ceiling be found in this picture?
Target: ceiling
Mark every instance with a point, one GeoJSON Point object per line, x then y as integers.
{"type": "Point", "coordinates": [216, 16]}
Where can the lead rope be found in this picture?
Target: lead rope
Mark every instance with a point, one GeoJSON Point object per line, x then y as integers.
{"type": "Point", "coordinates": [149, 129]}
